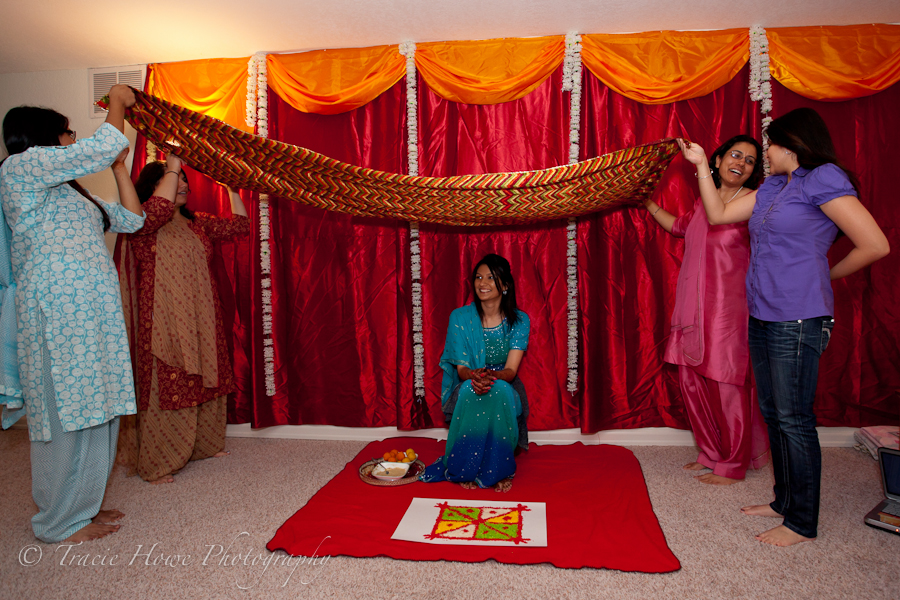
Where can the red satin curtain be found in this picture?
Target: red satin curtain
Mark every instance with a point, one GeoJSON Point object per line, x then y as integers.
{"type": "Point", "coordinates": [525, 134]}
{"type": "Point", "coordinates": [341, 287]}
{"type": "Point", "coordinates": [628, 265]}
{"type": "Point", "coordinates": [858, 375]}
{"type": "Point", "coordinates": [340, 284]}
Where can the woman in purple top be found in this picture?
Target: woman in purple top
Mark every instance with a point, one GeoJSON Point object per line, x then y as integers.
{"type": "Point", "coordinates": [794, 218]}
{"type": "Point", "coordinates": [708, 339]}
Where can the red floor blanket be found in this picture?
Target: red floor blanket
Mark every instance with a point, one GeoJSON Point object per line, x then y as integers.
{"type": "Point", "coordinates": [598, 512]}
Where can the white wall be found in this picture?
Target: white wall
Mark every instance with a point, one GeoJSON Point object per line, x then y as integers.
{"type": "Point", "coordinates": [66, 92]}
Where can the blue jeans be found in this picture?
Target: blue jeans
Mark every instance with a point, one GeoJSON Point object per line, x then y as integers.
{"type": "Point", "coordinates": [785, 358]}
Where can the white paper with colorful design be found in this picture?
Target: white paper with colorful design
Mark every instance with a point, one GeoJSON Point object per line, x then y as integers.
{"type": "Point", "coordinates": [474, 523]}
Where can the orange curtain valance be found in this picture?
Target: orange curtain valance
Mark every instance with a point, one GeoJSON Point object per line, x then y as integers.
{"type": "Point", "coordinates": [214, 87]}
{"type": "Point", "coordinates": [822, 63]}
{"type": "Point", "coordinates": [328, 82]}
{"type": "Point", "coordinates": [661, 67]}
{"type": "Point", "coordinates": [488, 71]}
{"type": "Point", "coordinates": [835, 63]}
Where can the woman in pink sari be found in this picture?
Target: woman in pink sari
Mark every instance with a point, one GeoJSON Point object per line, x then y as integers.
{"type": "Point", "coordinates": [708, 340]}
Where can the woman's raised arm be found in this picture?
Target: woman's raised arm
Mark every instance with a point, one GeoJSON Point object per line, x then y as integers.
{"type": "Point", "coordinates": [168, 186]}
{"type": "Point", "coordinates": [120, 97]}
{"type": "Point", "coordinates": [128, 197]}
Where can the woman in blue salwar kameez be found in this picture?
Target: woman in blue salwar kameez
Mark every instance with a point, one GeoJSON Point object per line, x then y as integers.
{"type": "Point", "coordinates": [481, 394]}
{"type": "Point", "coordinates": [63, 345]}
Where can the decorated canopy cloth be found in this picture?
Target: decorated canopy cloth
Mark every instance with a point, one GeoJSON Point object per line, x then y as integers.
{"type": "Point", "coordinates": [242, 160]}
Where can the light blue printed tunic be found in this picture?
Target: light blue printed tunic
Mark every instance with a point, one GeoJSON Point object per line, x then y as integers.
{"type": "Point", "coordinates": [67, 289]}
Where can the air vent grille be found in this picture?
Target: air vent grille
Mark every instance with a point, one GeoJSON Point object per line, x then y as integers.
{"type": "Point", "coordinates": [101, 80]}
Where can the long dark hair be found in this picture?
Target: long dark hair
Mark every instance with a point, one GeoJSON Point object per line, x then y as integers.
{"type": "Point", "coordinates": [25, 127]}
{"type": "Point", "coordinates": [756, 174]}
{"type": "Point", "coordinates": [499, 267]}
{"type": "Point", "coordinates": [148, 180]}
{"type": "Point", "coordinates": [804, 132]}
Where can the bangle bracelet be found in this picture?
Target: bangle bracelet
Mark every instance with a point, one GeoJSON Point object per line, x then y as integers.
{"type": "Point", "coordinates": [658, 208]}
{"type": "Point", "coordinates": [167, 172]}
{"type": "Point", "coordinates": [704, 177]}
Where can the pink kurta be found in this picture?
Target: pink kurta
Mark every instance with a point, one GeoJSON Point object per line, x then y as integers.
{"type": "Point", "coordinates": [709, 322]}
{"type": "Point", "coordinates": [709, 337]}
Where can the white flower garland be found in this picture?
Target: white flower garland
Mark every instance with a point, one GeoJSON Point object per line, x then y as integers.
{"type": "Point", "coordinates": [572, 84]}
{"type": "Point", "coordinates": [760, 82]}
{"type": "Point", "coordinates": [408, 49]}
{"type": "Point", "coordinates": [258, 114]}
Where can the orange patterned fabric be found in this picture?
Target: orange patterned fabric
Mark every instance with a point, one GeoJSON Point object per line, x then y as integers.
{"type": "Point", "coordinates": [835, 63]}
{"type": "Point", "coordinates": [240, 160]}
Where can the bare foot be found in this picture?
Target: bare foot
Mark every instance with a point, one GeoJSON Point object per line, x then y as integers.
{"type": "Point", "coordinates": [760, 510]}
{"type": "Point", "coordinates": [694, 466]}
{"type": "Point", "coordinates": [468, 485]}
{"type": "Point", "coordinates": [108, 516]}
{"type": "Point", "coordinates": [163, 479]}
{"type": "Point", "coordinates": [715, 479]}
{"type": "Point", "coordinates": [92, 531]}
{"type": "Point", "coordinates": [221, 454]}
{"type": "Point", "coordinates": [782, 536]}
{"type": "Point", "coordinates": [503, 486]}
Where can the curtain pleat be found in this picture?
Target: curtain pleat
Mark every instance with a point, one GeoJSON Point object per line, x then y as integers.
{"type": "Point", "coordinates": [215, 87]}
{"type": "Point", "coordinates": [835, 63]}
{"type": "Point", "coordinates": [661, 67]}
{"type": "Point", "coordinates": [329, 82]}
{"type": "Point", "coordinates": [488, 71]}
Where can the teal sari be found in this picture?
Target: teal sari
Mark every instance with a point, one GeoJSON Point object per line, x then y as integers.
{"type": "Point", "coordinates": [484, 430]}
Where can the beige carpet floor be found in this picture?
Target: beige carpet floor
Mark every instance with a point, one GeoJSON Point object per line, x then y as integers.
{"type": "Point", "coordinates": [204, 537]}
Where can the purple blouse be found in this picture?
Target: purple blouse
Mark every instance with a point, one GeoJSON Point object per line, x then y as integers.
{"type": "Point", "coordinates": [788, 278]}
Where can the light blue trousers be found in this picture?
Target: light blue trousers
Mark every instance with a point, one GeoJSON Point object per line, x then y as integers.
{"type": "Point", "coordinates": [69, 473]}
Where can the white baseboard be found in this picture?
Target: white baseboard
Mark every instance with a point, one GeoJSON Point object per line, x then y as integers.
{"type": "Point", "coordinates": [829, 437]}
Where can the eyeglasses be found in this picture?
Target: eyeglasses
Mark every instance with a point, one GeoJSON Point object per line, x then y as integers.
{"type": "Point", "coordinates": [71, 134]}
{"type": "Point", "coordinates": [738, 155]}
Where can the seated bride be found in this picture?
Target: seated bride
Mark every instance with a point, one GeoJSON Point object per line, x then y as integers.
{"type": "Point", "coordinates": [481, 394]}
